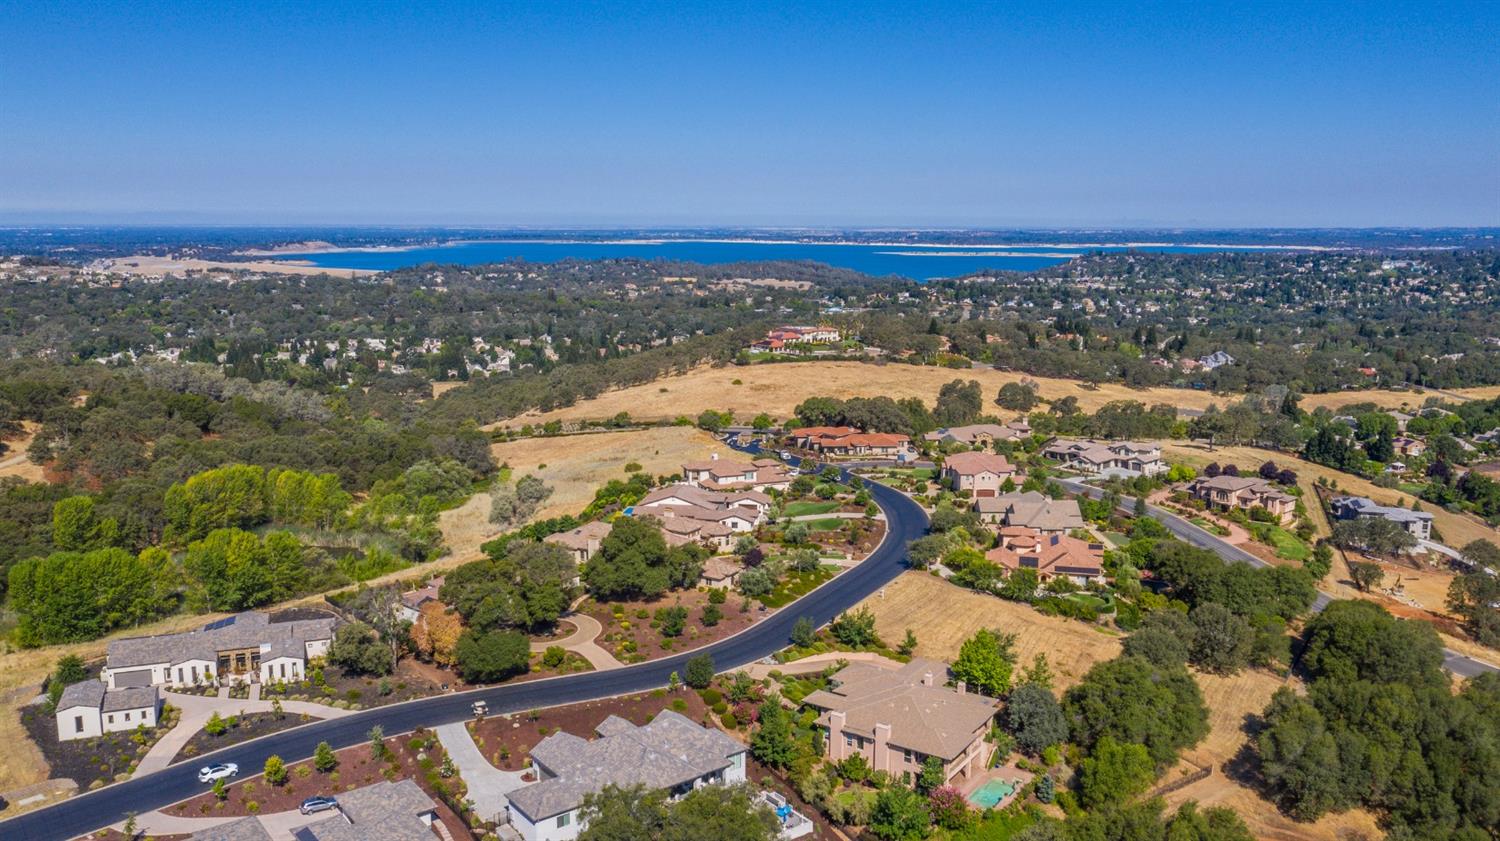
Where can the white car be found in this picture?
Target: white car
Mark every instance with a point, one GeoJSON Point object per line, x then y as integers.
{"type": "Point", "coordinates": [209, 773]}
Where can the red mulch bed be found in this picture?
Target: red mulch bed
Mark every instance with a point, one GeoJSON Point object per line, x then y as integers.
{"type": "Point", "coordinates": [357, 768]}
{"type": "Point", "coordinates": [649, 644]}
{"type": "Point", "coordinates": [507, 740]}
{"type": "Point", "coordinates": [247, 727]}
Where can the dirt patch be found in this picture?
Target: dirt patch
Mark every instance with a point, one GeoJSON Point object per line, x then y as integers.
{"type": "Point", "coordinates": [506, 741]}
{"type": "Point", "coordinates": [943, 615]}
{"type": "Point", "coordinates": [409, 681]}
{"type": "Point", "coordinates": [242, 728]}
{"type": "Point", "coordinates": [14, 462]}
{"type": "Point", "coordinates": [777, 389]}
{"type": "Point", "coordinates": [418, 756]}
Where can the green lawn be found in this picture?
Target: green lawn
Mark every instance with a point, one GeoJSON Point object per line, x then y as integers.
{"type": "Point", "coordinates": [825, 524]}
{"type": "Point", "coordinates": [1210, 526]}
{"type": "Point", "coordinates": [802, 509]}
{"type": "Point", "coordinates": [1287, 545]}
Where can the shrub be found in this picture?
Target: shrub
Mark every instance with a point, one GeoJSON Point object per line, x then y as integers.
{"type": "Point", "coordinates": [554, 656]}
{"type": "Point", "coordinates": [699, 671]}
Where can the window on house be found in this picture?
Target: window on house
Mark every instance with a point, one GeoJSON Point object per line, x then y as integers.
{"type": "Point", "coordinates": [78, 724]}
{"type": "Point", "coordinates": [906, 755]}
{"type": "Point", "coordinates": [110, 718]}
{"type": "Point", "coordinates": [127, 716]}
{"type": "Point", "coordinates": [564, 819]}
{"type": "Point", "coordinates": [848, 741]}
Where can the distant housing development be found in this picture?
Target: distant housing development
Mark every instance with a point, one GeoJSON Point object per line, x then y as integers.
{"type": "Point", "coordinates": [1417, 523]}
{"type": "Point", "coordinates": [670, 752]}
{"type": "Point", "coordinates": [246, 647]}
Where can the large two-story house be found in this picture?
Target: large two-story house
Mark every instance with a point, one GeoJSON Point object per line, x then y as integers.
{"type": "Point", "coordinates": [898, 718]}
{"type": "Point", "coordinates": [1244, 493]}
{"type": "Point", "coordinates": [1417, 523]}
{"type": "Point", "coordinates": [724, 475]}
{"type": "Point", "coordinates": [669, 753]}
{"type": "Point", "coordinates": [246, 647]}
{"type": "Point", "coordinates": [981, 474]}
{"type": "Point", "coordinates": [1123, 458]}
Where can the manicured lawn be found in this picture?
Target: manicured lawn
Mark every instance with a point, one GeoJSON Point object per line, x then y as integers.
{"type": "Point", "coordinates": [1103, 605]}
{"type": "Point", "coordinates": [825, 524]}
{"type": "Point", "coordinates": [1287, 545]}
{"type": "Point", "coordinates": [1116, 538]}
{"type": "Point", "coordinates": [1210, 526]}
{"type": "Point", "coordinates": [802, 509]}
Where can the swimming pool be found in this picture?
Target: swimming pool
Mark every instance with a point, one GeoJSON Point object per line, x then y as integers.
{"type": "Point", "coordinates": [992, 792]}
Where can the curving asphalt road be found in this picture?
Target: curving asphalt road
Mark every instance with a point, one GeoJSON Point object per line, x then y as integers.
{"type": "Point", "coordinates": [91, 811]}
{"type": "Point", "coordinates": [1453, 661]}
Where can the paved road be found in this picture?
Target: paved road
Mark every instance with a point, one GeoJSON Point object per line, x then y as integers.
{"type": "Point", "coordinates": [1455, 662]}
{"type": "Point", "coordinates": [79, 815]}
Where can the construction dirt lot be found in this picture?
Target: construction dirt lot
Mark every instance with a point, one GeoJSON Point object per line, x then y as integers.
{"type": "Point", "coordinates": [777, 389]}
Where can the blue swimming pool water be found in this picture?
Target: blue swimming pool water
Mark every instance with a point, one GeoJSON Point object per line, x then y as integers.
{"type": "Point", "coordinates": [992, 792]}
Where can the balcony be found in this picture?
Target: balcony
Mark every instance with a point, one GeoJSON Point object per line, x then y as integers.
{"type": "Point", "coordinates": [794, 824]}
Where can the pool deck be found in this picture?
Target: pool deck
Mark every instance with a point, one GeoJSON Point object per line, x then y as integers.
{"type": "Point", "coordinates": [1008, 772]}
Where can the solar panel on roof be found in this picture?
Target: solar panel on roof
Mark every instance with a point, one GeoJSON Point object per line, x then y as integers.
{"type": "Point", "coordinates": [219, 623]}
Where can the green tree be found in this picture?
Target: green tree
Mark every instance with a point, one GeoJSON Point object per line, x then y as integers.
{"type": "Point", "coordinates": [900, 814]}
{"type": "Point", "coordinates": [1475, 597]}
{"type": "Point", "coordinates": [1366, 576]}
{"type": "Point", "coordinates": [855, 628]}
{"type": "Point", "coordinates": [634, 562]}
{"type": "Point", "coordinates": [1114, 773]}
{"type": "Point", "coordinates": [1035, 718]}
{"type": "Point", "coordinates": [986, 661]}
{"type": "Point", "coordinates": [1019, 397]}
{"type": "Point", "coordinates": [491, 655]}
{"type": "Point", "coordinates": [699, 671]}
{"type": "Point", "coordinates": [324, 759]}
{"type": "Point", "coordinates": [1135, 702]}
{"type": "Point", "coordinates": [357, 648]}
{"type": "Point", "coordinates": [275, 770]}
{"type": "Point", "coordinates": [70, 670]}
{"type": "Point", "coordinates": [803, 632]}
{"type": "Point", "coordinates": [1221, 640]}
{"type": "Point", "coordinates": [1213, 824]}
{"type": "Point", "coordinates": [722, 813]}
{"type": "Point", "coordinates": [772, 743]}
{"type": "Point", "coordinates": [76, 527]}
{"type": "Point", "coordinates": [931, 776]}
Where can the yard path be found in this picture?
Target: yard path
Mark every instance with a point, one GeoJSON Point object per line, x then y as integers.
{"type": "Point", "coordinates": [818, 662]}
{"type": "Point", "coordinates": [197, 710]}
{"type": "Point", "coordinates": [840, 515]}
{"type": "Point", "coordinates": [279, 825]}
{"type": "Point", "coordinates": [1237, 534]}
{"type": "Point", "coordinates": [488, 785]}
{"type": "Point", "coordinates": [581, 642]}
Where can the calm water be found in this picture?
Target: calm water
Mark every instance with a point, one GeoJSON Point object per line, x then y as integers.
{"type": "Point", "coordinates": [905, 260]}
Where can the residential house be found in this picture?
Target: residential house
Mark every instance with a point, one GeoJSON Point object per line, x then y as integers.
{"type": "Point", "coordinates": [1121, 458]}
{"type": "Point", "coordinates": [981, 433]}
{"type": "Point", "coordinates": [1244, 493]}
{"type": "Point", "coordinates": [1401, 418]}
{"type": "Point", "coordinates": [811, 335]}
{"type": "Point", "coordinates": [1217, 359]}
{"type": "Point", "coordinates": [1410, 447]}
{"type": "Point", "coordinates": [412, 600]}
{"type": "Point", "coordinates": [384, 811]}
{"type": "Point", "coordinates": [897, 718]}
{"type": "Point", "coordinates": [1051, 556]}
{"type": "Point", "coordinates": [583, 542]}
{"type": "Point", "coordinates": [668, 753]}
{"type": "Point", "coordinates": [981, 474]}
{"type": "Point", "coordinates": [680, 530]}
{"type": "Point", "coordinates": [244, 647]}
{"type": "Point", "coordinates": [90, 708]}
{"type": "Point", "coordinates": [866, 444]}
{"type": "Point", "coordinates": [741, 511]}
{"type": "Point", "coordinates": [722, 572]}
{"type": "Point", "coordinates": [723, 475]}
{"type": "Point", "coordinates": [1417, 523]}
{"type": "Point", "coordinates": [802, 438]}
{"type": "Point", "coordinates": [1030, 510]}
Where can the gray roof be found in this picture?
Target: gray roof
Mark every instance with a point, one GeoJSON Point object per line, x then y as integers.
{"type": "Point", "coordinates": [385, 811]}
{"type": "Point", "coordinates": [244, 829]}
{"type": "Point", "coordinates": [244, 630]}
{"type": "Point", "coordinates": [1364, 506]}
{"type": "Point", "coordinates": [1033, 510]}
{"type": "Point", "coordinates": [667, 752]}
{"type": "Point", "coordinates": [927, 718]}
{"type": "Point", "coordinates": [95, 695]}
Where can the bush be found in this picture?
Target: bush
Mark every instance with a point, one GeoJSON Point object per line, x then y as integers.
{"type": "Point", "coordinates": [699, 672]}
{"type": "Point", "coordinates": [494, 655]}
{"type": "Point", "coordinates": [275, 770]}
{"type": "Point", "coordinates": [554, 656]}
{"type": "Point", "coordinates": [672, 620]}
{"type": "Point", "coordinates": [712, 613]}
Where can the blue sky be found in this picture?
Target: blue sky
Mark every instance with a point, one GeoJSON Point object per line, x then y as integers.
{"type": "Point", "coordinates": [826, 113]}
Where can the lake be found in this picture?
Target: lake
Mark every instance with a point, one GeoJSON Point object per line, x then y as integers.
{"type": "Point", "coordinates": [913, 261]}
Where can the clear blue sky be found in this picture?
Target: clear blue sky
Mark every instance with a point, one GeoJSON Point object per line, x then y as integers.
{"type": "Point", "coordinates": [827, 113]}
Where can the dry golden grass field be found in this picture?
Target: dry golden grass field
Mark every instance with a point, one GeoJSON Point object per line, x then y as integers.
{"type": "Point", "coordinates": [778, 388]}
{"type": "Point", "coordinates": [943, 615]}
{"type": "Point", "coordinates": [13, 462]}
{"type": "Point", "coordinates": [1232, 702]}
{"type": "Point", "coordinates": [575, 466]}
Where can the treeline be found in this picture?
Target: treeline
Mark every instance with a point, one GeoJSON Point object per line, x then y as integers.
{"type": "Point", "coordinates": [1381, 728]}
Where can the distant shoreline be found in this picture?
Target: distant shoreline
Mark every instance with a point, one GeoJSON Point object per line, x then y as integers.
{"type": "Point", "coordinates": [978, 249]}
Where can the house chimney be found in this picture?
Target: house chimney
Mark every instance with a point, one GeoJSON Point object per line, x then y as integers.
{"type": "Point", "coordinates": [882, 738]}
{"type": "Point", "coordinates": [927, 678]}
{"type": "Point", "coordinates": [962, 687]}
{"type": "Point", "coordinates": [713, 456]}
{"type": "Point", "coordinates": [836, 736]}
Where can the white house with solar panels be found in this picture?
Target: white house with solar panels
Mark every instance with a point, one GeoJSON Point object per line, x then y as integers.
{"type": "Point", "coordinates": [244, 648]}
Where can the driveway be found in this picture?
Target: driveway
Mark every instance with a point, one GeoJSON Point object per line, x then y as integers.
{"type": "Point", "coordinates": [581, 642]}
{"type": "Point", "coordinates": [198, 709]}
{"type": "Point", "coordinates": [488, 785]}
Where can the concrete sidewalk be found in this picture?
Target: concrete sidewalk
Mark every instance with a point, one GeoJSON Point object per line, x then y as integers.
{"type": "Point", "coordinates": [581, 642]}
